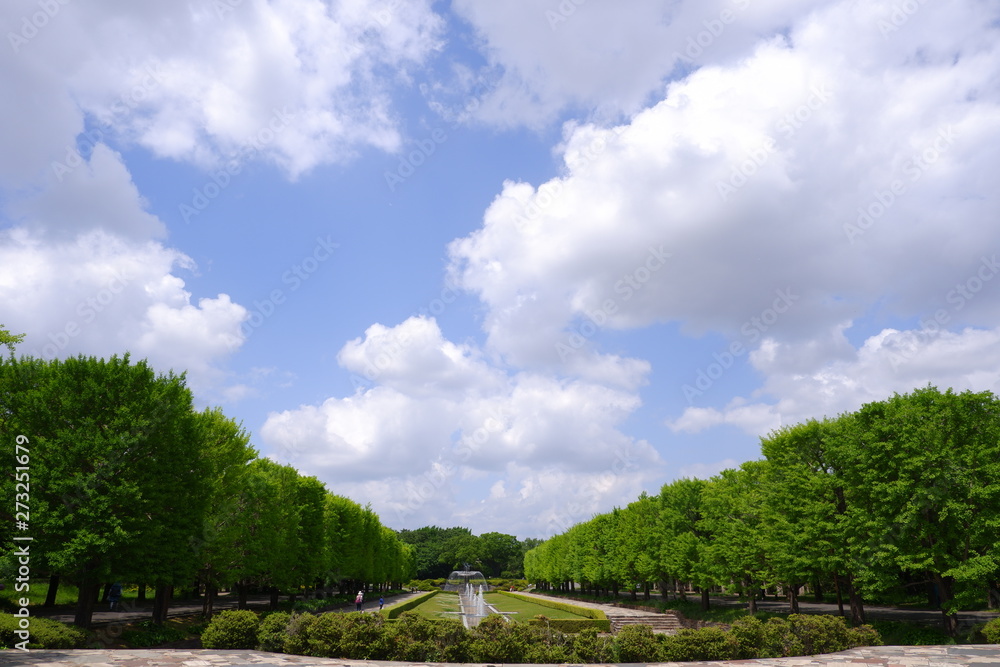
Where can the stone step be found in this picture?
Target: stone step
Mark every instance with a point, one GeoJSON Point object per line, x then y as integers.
{"type": "Point", "coordinates": [663, 623]}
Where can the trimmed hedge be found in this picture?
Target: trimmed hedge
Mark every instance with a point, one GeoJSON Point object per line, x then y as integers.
{"type": "Point", "coordinates": [271, 632]}
{"type": "Point", "coordinates": [42, 633]}
{"type": "Point", "coordinates": [992, 631]}
{"type": "Point", "coordinates": [395, 611]}
{"type": "Point", "coordinates": [232, 629]}
{"type": "Point", "coordinates": [598, 618]}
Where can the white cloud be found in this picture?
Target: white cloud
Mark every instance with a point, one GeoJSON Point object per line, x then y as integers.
{"type": "Point", "coordinates": [749, 174]}
{"type": "Point", "coordinates": [593, 57]}
{"type": "Point", "coordinates": [888, 362]}
{"type": "Point", "coordinates": [296, 82]}
{"type": "Point", "coordinates": [439, 417]}
{"type": "Point", "coordinates": [98, 294]}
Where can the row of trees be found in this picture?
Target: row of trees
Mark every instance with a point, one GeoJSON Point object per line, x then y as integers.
{"type": "Point", "coordinates": [902, 494]}
{"type": "Point", "coordinates": [438, 551]}
{"type": "Point", "coordinates": [127, 482]}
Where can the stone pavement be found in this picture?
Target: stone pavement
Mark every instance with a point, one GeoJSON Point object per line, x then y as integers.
{"type": "Point", "coordinates": [882, 656]}
{"type": "Point", "coordinates": [877, 656]}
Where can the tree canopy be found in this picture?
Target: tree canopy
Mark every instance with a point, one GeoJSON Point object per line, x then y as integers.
{"type": "Point", "coordinates": [901, 493]}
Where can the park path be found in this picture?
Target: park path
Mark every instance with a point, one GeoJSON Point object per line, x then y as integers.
{"type": "Point", "coordinates": [133, 613]}
{"type": "Point", "coordinates": [879, 656]}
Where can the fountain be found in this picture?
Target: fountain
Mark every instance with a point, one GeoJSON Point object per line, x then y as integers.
{"type": "Point", "coordinates": [470, 586]}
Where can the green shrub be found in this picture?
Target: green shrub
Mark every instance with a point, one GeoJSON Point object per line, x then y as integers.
{"type": "Point", "coordinates": [271, 632]}
{"type": "Point", "coordinates": [144, 634]}
{"type": "Point", "coordinates": [798, 635]}
{"type": "Point", "coordinates": [637, 643]}
{"type": "Point", "coordinates": [820, 634]}
{"type": "Point", "coordinates": [702, 644]}
{"type": "Point", "coordinates": [494, 640]}
{"type": "Point", "coordinates": [991, 631]}
{"type": "Point", "coordinates": [901, 633]}
{"type": "Point", "coordinates": [42, 633]}
{"type": "Point", "coordinates": [297, 634]}
{"type": "Point", "coordinates": [589, 647]}
{"type": "Point", "coordinates": [415, 638]}
{"type": "Point", "coordinates": [865, 635]}
{"type": "Point", "coordinates": [365, 638]}
{"type": "Point", "coordinates": [234, 629]}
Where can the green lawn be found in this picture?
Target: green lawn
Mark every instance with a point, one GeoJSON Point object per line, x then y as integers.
{"type": "Point", "coordinates": [437, 607]}
{"type": "Point", "coordinates": [525, 610]}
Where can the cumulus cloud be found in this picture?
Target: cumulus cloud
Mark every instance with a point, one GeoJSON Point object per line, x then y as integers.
{"type": "Point", "coordinates": [438, 415]}
{"type": "Point", "coordinates": [545, 58]}
{"type": "Point", "coordinates": [888, 362]}
{"type": "Point", "coordinates": [295, 82]}
{"type": "Point", "coordinates": [99, 294]}
{"type": "Point", "coordinates": [778, 196]}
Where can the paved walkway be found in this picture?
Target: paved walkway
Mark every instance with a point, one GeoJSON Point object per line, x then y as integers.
{"type": "Point", "coordinates": [879, 656]}
{"type": "Point", "coordinates": [134, 613]}
{"type": "Point", "coordinates": [883, 656]}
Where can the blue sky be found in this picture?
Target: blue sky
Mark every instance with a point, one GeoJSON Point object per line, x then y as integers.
{"type": "Point", "coordinates": [507, 265]}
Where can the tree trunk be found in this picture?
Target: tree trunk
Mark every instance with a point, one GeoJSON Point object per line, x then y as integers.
{"type": "Point", "coordinates": [645, 590]}
{"type": "Point", "coordinates": [107, 593]}
{"type": "Point", "coordinates": [992, 594]}
{"type": "Point", "coordinates": [141, 595]}
{"type": "Point", "coordinates": [274, 597]}
{"type": "Point", "coordinates": [793, 598]}
{"type": "Point", "coordinates": [241, 594]}
{"type": "Point", "coordinates": [840, 597]}
{"type": "Point", "coordinates": [50, 596]}
{"type": "Point", "coordinates": [158, 606]}
{"type": "Point", "coordinates": [946, 593]}
{"type": "Point", "coordinates": [704, 599]}
{"type": "Point", "coordinates": [857, 605]}
{"type": "Point", "coordinates": [818, 591]}
{"type": "Point", "coordinates": [752, 603]}
{"type": "Point", "coordinates": [208, 600]}
{"type": "Point", "coordinates": [85, 601]}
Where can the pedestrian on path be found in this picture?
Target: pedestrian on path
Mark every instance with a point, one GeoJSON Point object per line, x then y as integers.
{"type": "Point", "coordinates": [115, 596]}
{"type": "Point", "coordinates": [381, 602]}
{"type": "Point", "coordinates": [360, 600]}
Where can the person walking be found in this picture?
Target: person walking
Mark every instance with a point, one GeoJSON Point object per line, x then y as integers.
{"type": "Point", "coordinates": [115, 596]}
{"type": "Point", "coordinates": [360, 600]}
{"type": "Point", "coordinates": [381, 602]}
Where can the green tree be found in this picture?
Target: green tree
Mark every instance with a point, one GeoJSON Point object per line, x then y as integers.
{"type": "Point", "coordinates": [9, 340]}
{"type": "Point", "coordinates": [927, 468]}
{"type": "Point", "coordinates": [733, 504]}
{"type": "Point", "coordinates": [118, 482]}
{"type": "Point", "coordinates": [227, 452]}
